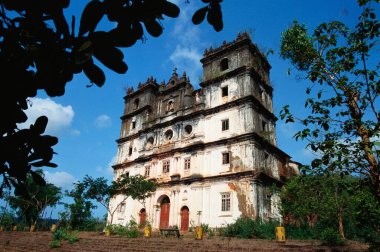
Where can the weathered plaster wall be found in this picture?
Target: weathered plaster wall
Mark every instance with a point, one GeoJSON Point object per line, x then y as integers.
{"type": "Point", "coordinates": [194, 120]}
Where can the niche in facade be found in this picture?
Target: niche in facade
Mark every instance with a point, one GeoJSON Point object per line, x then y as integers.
{"type": "Point", "coordinates": [170, 106]}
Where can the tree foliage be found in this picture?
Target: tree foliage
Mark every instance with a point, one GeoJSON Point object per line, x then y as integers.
{"type": "Point", "coordinates": [135, 187]}
{"type": "Point", "coordinates": [344, 121]}
{"type": "Point", "coordinates": [343, 204]}
{"type": "Point", "coordinates": [41, 50]}
{"type": "Point", "coordinates": [78, 213]}
{"type": "Point", "coordinates": [39, 198]}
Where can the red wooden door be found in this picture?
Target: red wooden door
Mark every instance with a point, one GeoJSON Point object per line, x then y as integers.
{"type": "Point", "coordinates": [142, 217]}
{"type": "Point", "coordinates": [164, 217]}
{"type": "Point", "coordinates": [184, 218]}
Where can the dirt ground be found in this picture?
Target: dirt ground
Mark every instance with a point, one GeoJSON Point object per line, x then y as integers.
{"type": "Point", "coordinates": [91, 241]}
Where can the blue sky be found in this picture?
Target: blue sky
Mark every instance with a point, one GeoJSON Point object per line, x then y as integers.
{"type": "Point", "coordinates": [87, 120]}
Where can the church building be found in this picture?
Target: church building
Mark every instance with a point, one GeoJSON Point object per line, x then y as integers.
{"type": "Point", "coordinates": [211, 150]}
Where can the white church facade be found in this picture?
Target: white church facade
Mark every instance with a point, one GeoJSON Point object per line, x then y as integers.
{"type": "Point", "coordinates": [212, 151]}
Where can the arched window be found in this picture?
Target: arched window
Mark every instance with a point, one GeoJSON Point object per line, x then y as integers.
{"type": "Point", "coordinates": [224, 64]}
{"type": "Point", "coordinates": [136, 103]}
{"type": "Point", "coordinates": [170, 106]}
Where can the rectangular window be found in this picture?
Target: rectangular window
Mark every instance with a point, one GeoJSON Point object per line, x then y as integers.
{"type": "Point", "coordinates": [226, 202]}
{"type": "Point", "coordinates": [133, 124]}
{"type": "Point", "coordinates": [166, 166]}
{"type": "Point", "coordinates": [224, 91]}
{"type": "Point", "coordinates": [225, 125]}
{"type": "Point", "coordinates": [130, 151]}
{"type": "Point", "coordinates": [121, 208]}
{"type": "Point", "coordinates": [187, 165]}
{"type": "Point", "coordinates": [147, 171]}
{"type": "Point", "coordinates": [226, 158]}
{"type": "Point", "coordinates": [263, 125]}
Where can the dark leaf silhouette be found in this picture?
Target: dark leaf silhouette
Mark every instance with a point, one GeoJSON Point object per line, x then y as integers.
{"type": "Point", "coordinates": [40, 51]}
{"type": "Point", "coordinates": [92, 14]}
{"type": "Point", "coordinates": [37, 178]}
{"type": "Point", "coordinates": [40, 124]}
{"type": "Point", "coordinates": [199, 15]}
{"type": "Point", "coordinates": [94, 73]}
{"type": "Point", "coordinates": [214, 14]}
{"type": "Point", "coordinates": [170, 9]}
{"type": "Point", "coordinates": [153, 27]}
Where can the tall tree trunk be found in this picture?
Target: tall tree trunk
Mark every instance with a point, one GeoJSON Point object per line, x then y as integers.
{"type": "Point", "coordinates": [341, 227]}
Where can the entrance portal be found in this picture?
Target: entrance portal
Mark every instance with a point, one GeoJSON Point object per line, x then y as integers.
{"type": "Point", "coordinates": [184, 218]}
{"type": "Point", "coordinates": [165, 210]}
{"type": "Point", "coordinates": [142, 217]}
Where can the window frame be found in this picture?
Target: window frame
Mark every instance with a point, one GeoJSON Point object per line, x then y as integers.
{"type": "Point", "coordinates": [264, 125]}
{"type": "Point", "coordinates": [225, 124]}
{"type": "Point", "coordinates": [226, 158]}
{"type": "Point", "coordinates": [130, 151]}
{"type": "Point", "coordinates": [224, 91]}
{"type": "Point", "coordinates": [121, 208]}
{"type": "Point", "coordinates": [187, 165]}
{"type": "Point", "coordinates": [225, 202]}
{"type": "Point", "coordinates": [166, 167]}
{"type": "Point", "coordinates": [147, 171]}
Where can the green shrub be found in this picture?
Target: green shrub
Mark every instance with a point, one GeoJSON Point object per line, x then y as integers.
{"type": "Point", "coordinates": [205, 227]}
{"type": "Point", "coordinates": [59, 234]}
{"type": "Point", "coordinates": [303, 232]}
{"type": "Point", "coordinates": [6, 218]}
{"type": "Point", "coordinates": [131, 230]}
{"type": "Point", "coordinates": [119, 230]}
{"type": "Point", "coordinates": [330, 236]}
{"type": "Point", "coordinates": [248, 228]}
{"type": "Point", "coordinates": [133, 233]}
{"type": "Point", "coordinates": [62, 234]}
{"type": "Point", "coordinates": [55, 244]}
{"type": "Point", "coordinates": [207, 230]}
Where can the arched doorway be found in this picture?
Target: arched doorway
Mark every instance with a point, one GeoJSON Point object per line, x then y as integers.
{"type": "Point", "coordinates": [142, 217]}
{"type": "Point", "coordinates": [184, 218]}
{"type": "Point", "coordinates": [165, 211]}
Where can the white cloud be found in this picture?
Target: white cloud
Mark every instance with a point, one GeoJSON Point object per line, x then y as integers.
{"type": "Point", "coordinates": [103, 121]}
{"type": "Point", "coordinates": [61, 179]}
{"type": "Point", "coordinates": [106, 171]}
{"type": "Point", "coordinates": [75, 132]}
{"type": "Point", "coordinates": [188, 45]}
{"type": "Point", "coordinates": [60, 116]}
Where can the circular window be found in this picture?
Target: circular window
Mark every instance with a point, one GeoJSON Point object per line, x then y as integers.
{"type": "Point", "coordinates": [150, 140]}
{"type": "Point", "coordinates": [149, 143]}
{"type": "Point", "coordinates": [188, 129]}
{"type": "Point", "coordinates": [168, 134]}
